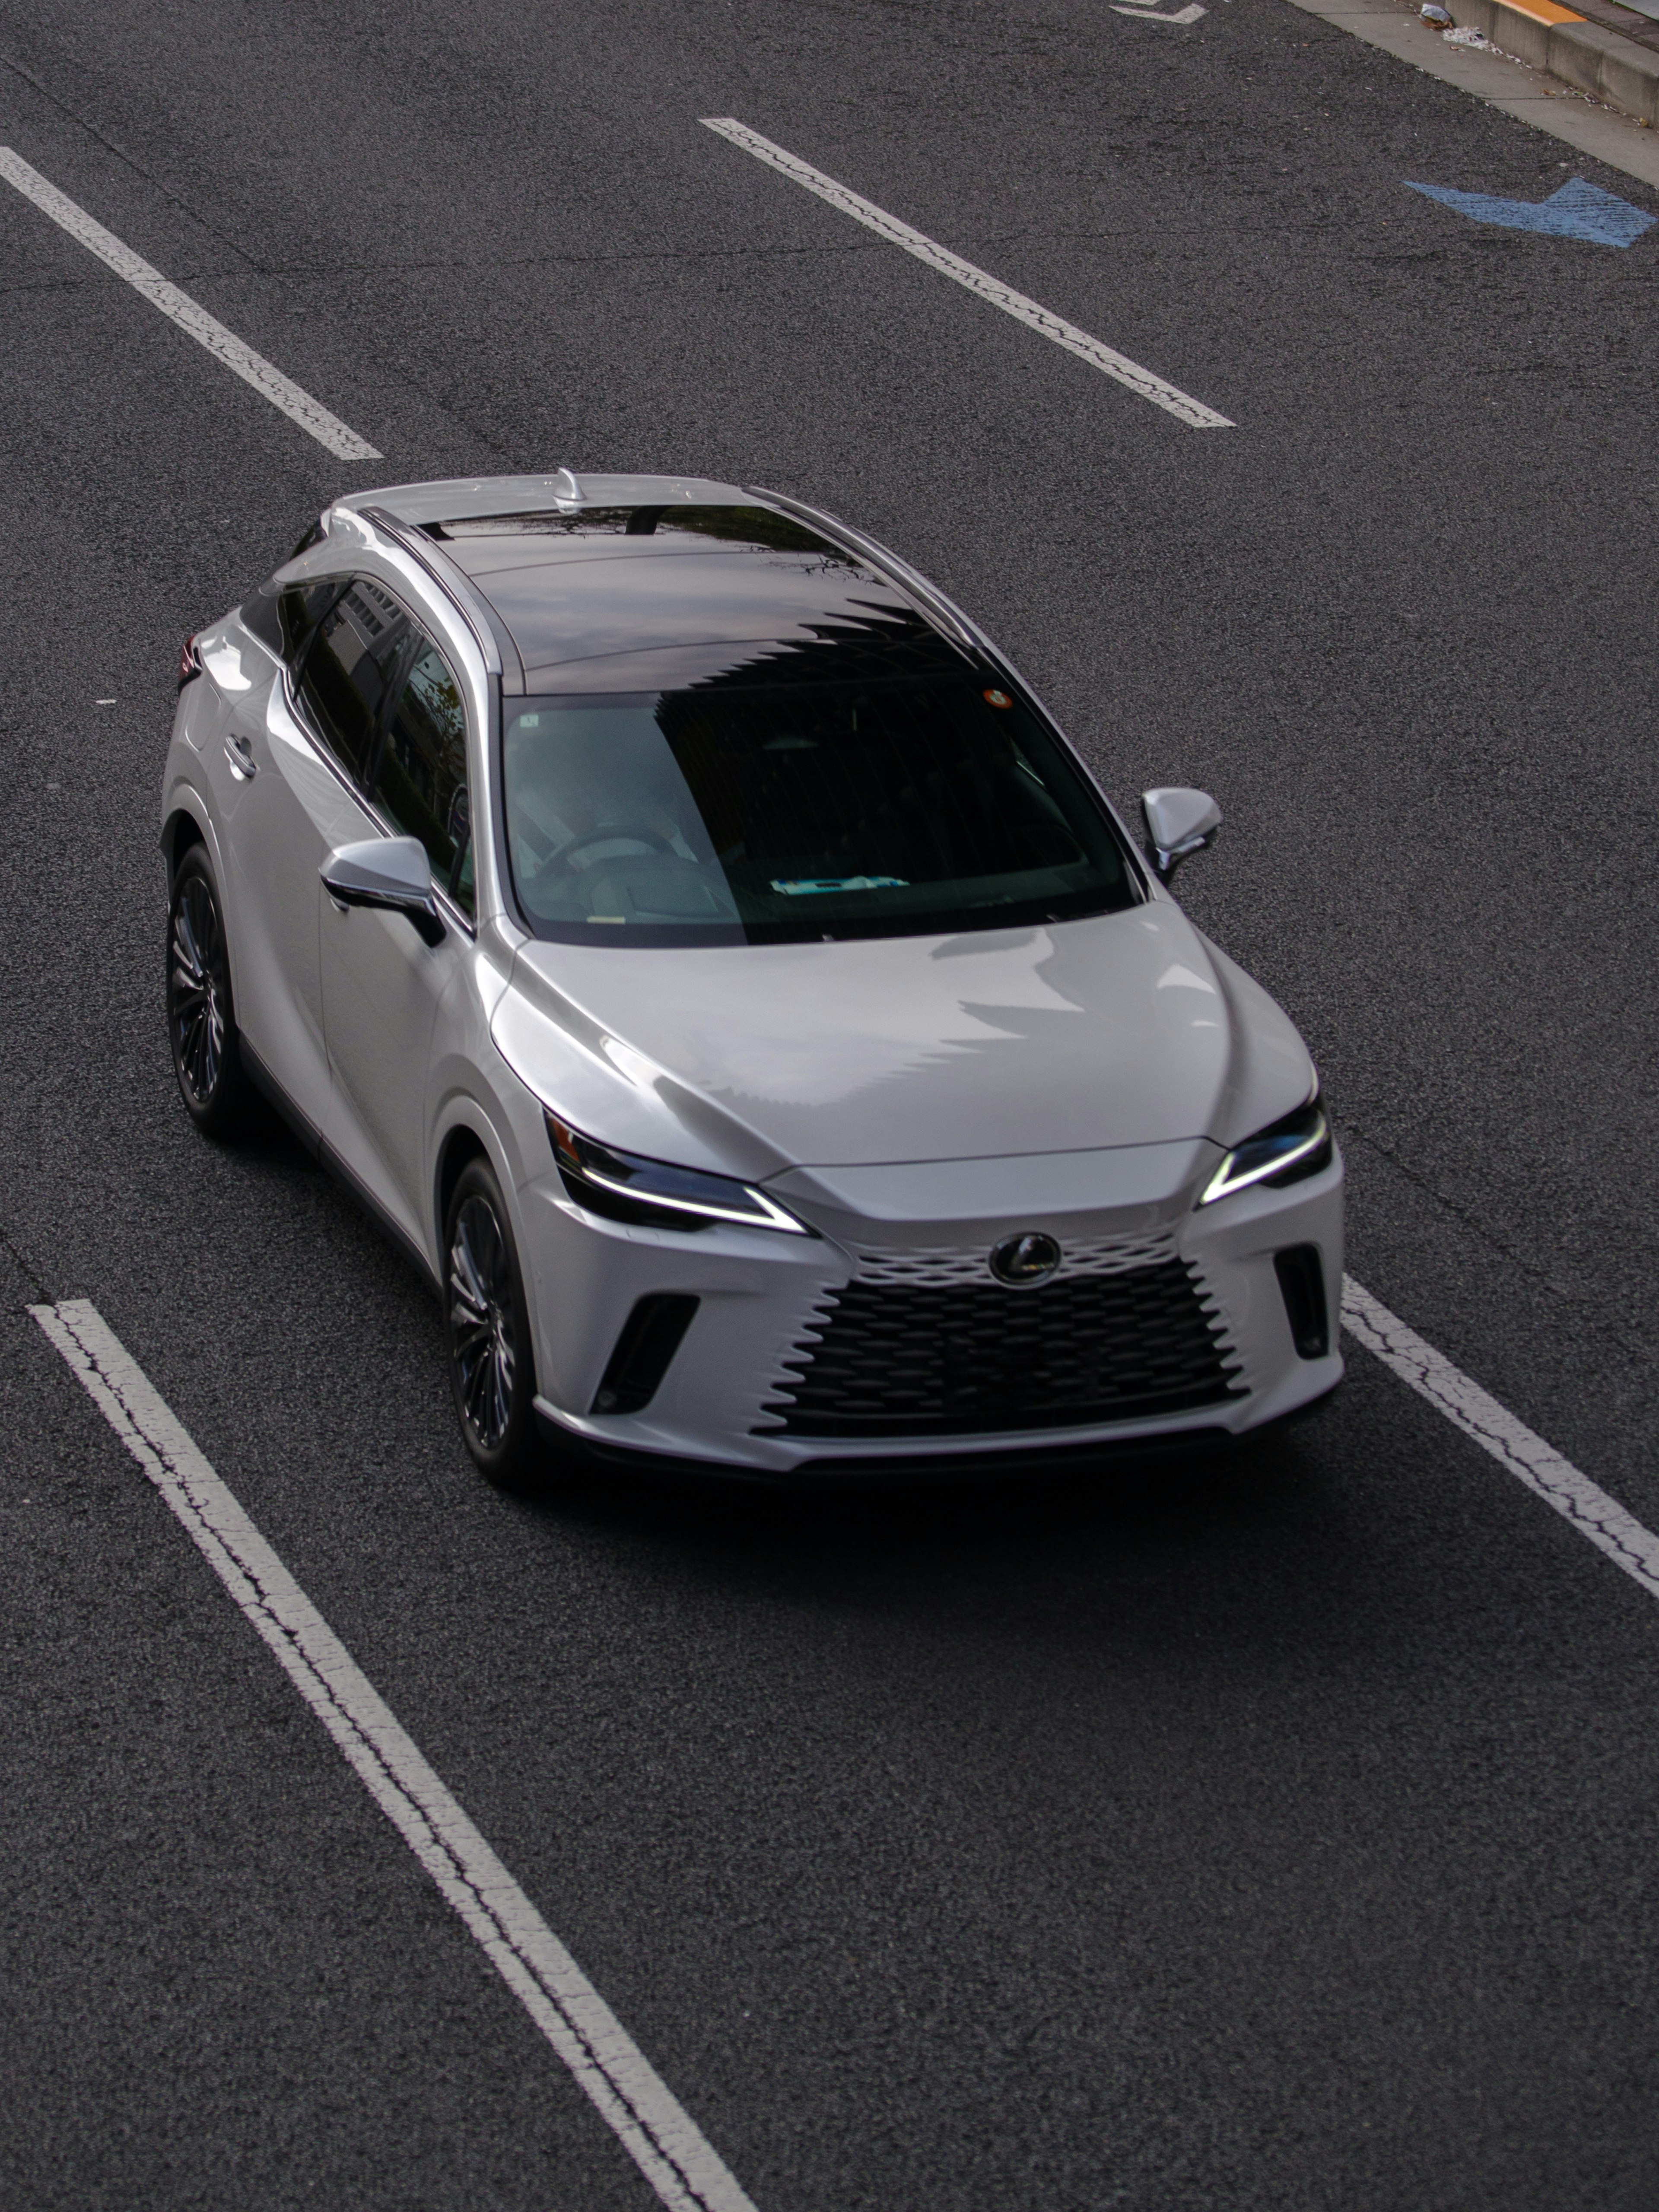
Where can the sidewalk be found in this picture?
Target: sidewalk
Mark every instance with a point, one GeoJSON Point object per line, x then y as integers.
{"type": "Point", "coordinates": [1592, 88]}
{"type": "Point", "coordinates": [1600, 47]}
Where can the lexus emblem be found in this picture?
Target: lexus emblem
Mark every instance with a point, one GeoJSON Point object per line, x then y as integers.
{"type": "Point", "coordinates": [1019, 1261]}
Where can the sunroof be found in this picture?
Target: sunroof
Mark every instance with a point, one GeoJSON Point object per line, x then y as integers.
{"type": "Point", "coordinates": [757, 526]}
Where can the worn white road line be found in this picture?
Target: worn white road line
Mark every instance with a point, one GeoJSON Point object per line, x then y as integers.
{"type": "Point", "coordinates": [664, 2141]}
{"type": "Point", "coordinates": [1191, 411]}
{"type": "Point", "coordinates": [179, 307]}
{"type": "Point", "coordinates": [1511, 1442]}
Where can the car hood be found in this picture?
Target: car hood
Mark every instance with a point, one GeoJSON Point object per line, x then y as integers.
{"type": "Point", "coordinates": [1129, 1029]}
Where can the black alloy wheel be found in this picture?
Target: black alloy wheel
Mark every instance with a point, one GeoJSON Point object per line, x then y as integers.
{"type": "Point", "coordinates": [201, 1023]}
{"type": "Point", "coordinates": [491, 1370]}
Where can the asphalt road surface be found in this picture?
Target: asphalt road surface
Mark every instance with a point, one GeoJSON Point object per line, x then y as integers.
{"type": "Point", "coordinates": [1282, 1834]}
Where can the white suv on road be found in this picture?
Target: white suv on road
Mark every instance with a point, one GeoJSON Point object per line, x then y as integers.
{"type": "Point", "coordinates": [690, 937]}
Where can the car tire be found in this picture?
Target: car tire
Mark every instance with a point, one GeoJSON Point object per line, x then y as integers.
{"type": "Point", "coordinates": [487, 1330]}
{"type": "Point", "coordinates": [201, 1014]}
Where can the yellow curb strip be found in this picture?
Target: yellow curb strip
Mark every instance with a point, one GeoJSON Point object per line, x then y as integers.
{"type": "Point", "coordinates": [1541, 11]}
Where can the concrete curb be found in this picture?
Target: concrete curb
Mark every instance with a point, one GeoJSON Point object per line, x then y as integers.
{"type": "Point", "coordinates": [1583, 55]}
{"type": "Point", "coordinates": [1606, 133]}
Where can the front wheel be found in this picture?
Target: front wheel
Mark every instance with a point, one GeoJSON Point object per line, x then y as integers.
{"type": "Point", "coordinates": [491, 1370]}
{"type": "Point", "coordinates": [201, 1021]}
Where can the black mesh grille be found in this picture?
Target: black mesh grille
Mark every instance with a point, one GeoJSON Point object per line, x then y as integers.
{"type": "Point", "coordinates": [903, 1361]}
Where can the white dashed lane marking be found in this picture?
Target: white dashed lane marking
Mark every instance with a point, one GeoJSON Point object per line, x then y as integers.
{"type": "Point", "coordinates": [659, 2135]}
{"type": "Point", "coordinates": [1191, 411]}
{"type": "Point", "coordinates": [179, 307]}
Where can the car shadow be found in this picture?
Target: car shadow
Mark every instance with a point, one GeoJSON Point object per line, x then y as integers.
{"type": "Point", "coordinates": [1208, 1522]}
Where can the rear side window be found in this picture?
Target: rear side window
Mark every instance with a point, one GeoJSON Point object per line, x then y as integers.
{"type": "Point", "coordinates": [346, 675]}
{"type": "Point", "coordinates": [300, 608]}
{"type": "Point", "coordinates": [420, 782]}
{"type": "Point", "coordinates": [283, 616]}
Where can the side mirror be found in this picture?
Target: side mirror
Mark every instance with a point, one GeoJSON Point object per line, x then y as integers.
{"type": "Point", "coordinates": [391, 873]}
{"type": "Point", "coordinates": [1178, 822]}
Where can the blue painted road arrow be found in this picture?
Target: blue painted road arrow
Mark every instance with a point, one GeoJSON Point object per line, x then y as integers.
{"type": "Point", "coordinates": [1577, 210]}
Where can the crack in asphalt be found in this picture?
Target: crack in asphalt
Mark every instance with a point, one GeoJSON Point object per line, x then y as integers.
{"type": "Point", "coordinates": [1569, 1293]}
{"type": "Point", "coordinates": [18, 68]}
{"type": "Point", "coordinates": [1545, 1471]}
{"type": "Point", "coordinates": [24, 1265]}
{"type": "Point", "coordinates": [302, 272]}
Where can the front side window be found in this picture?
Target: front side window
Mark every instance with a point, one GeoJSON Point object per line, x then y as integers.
{"type": "Point", "coordinates": [345, 676]}
{"type": "Point", "coordinates": [420, 780]}
{"type": "Point", "coordinates": [790, 812]}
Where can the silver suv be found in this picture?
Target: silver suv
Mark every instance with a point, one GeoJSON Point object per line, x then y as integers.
{"type": "Point", "coordinates": [692, 939]}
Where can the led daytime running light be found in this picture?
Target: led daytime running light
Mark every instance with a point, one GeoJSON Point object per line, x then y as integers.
{"type": "Point", "coordinates": [770, 1215]}
{"type": "Point", "coordinates": [1262, 1156]}
{"type": "Point", "coordinates": [584, 1162]}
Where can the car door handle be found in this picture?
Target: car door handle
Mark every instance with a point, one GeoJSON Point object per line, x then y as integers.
{"type": "Point", "coordinates": [238, 751]}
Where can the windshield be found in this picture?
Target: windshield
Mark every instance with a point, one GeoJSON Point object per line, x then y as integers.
{"type": "Point", "coordinates": [778, 814]}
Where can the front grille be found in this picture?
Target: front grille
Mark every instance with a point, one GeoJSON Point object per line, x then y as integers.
{"type": "Point", "coordinates": [908, 1360]}
{"type": "Point", "coordinates": [943, 1266]}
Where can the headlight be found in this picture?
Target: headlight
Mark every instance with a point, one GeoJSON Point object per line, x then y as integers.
{"type": "Point", "coordinates": [652, 1194]}
{"type": "Point", "coordinates": [1284, 1153]}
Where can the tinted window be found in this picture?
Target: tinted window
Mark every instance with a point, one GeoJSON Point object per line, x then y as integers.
{"type": "Point", "coordinates": [796, 811]}
{"type": "Point", "coordinates": [349, 668]}
{"type": "Point", "coordinates": [259, 615]}
{"type": "Point", "coordinates": [300, 608]}
{"type": "Point", "coordinates": [420, 783]}
{"type": "Point", "coordinates": [283, 617]}
{"type": "Point", "coordinates": [747, 527]}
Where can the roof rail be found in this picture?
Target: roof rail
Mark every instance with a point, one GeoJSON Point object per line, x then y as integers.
{"type": "Point", "coordinates": [489, 633]}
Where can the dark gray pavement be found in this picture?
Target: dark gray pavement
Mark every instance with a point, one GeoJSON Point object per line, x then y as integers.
{"type": "Point", "coordinates": [1279, 1835]}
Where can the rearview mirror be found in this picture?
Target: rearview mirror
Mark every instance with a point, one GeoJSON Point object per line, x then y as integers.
{"type": "Point", "coordinates": [1178, 822]}
{"type": "Point", "coordinates": [391, 873]}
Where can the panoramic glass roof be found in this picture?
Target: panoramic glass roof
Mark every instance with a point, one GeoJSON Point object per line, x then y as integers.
{"type": "Point", "coordinates": [631, 599]}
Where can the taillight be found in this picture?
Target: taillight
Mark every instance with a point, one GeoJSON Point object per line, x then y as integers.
{"type": "Point", "coordinates": [189, 662]}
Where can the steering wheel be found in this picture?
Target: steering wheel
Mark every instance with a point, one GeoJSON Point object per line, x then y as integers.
{"type": "Point", "coordinates": [537, 849]}
{"type": "Point", "coordinates": [635, 830]}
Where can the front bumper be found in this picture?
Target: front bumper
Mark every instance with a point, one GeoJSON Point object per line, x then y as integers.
{"type": "Point", "coordinates": [731, 1394]}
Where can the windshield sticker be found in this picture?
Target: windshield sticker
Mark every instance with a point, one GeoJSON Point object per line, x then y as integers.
{"type": "Point", "coordinates": [793, 889]}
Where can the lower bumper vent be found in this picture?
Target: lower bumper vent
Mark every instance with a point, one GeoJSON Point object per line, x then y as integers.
{"type": "Point", "coordinates": [650, 1337]}
{"type": "Point", "coordinates": [907, 1361]}
{"type": "Point", "coordinates": [1301, 1280]}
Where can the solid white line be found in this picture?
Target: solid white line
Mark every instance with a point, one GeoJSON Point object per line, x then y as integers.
{"type": "Point", "coordinates": [1191, 411]}
{"type": "Point", "coordinates": [225, 345]}
{"type": "Point", "coordinates": [1511, 1442]}
{"type": "Point", "coordinates": [664, 2141]}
